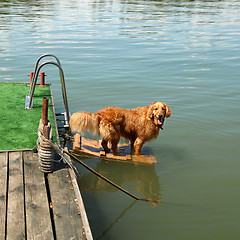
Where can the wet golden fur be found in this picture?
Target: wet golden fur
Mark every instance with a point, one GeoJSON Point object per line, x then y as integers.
{"type": "Point", "coordinates": [138, 125]}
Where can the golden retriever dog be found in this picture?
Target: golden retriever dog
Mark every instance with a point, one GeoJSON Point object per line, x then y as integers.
{"type": "Point", "coordinates": [137, 125]}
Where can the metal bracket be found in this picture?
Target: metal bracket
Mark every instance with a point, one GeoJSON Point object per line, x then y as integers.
{"type": "Point", "coordinates": [27, 99]}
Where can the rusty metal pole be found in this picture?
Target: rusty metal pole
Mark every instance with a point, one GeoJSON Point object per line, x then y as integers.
{"type": "Point", "coordinates": [31, 77]}
{"type": "Point", "coordinates": [42, 78]}
{"type": "Point", "coordinates": [45, 117]}
{"type": "Point", "coordinates": [45, 110]}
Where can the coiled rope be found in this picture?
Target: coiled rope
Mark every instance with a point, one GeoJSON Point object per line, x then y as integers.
{"type": "Point", "coordinates": [45, 151]}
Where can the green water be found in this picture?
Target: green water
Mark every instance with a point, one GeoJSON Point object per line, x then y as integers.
{"type": "Point", "coordinates": [129, 54]}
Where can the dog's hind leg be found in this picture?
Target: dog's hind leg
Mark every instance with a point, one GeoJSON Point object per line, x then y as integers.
{"type": "Point", "coordinates": [114, 143]}
{"type": "Point", "coordinates": [105, 146]}
{"type": "Point", "coordinates": [132, 145]}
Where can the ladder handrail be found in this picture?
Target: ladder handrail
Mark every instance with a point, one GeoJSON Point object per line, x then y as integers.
{"type": "Point", "coordinates": [36, 67]}
{"type": "Point", "coordinates": [34, 81]}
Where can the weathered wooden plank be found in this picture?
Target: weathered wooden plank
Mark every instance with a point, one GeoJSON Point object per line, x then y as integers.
{"type": "Point", "coordinates": [3, 186]}
{"type": "Point", "coordinates": [67, 221]}
{"type": "Point", "coordinates": [37, 207]}
{"type": "Point", "coordinates": [86, 227]}
{"type": "Point", "coordinates": [15, 211]}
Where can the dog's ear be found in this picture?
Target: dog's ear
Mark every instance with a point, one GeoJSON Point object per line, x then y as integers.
{"type": "Point", "coordinates": [168, 111]}
{"type": "Point", "coordinates": [150, 112]}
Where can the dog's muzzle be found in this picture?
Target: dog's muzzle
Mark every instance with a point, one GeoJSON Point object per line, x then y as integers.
{"type": "Point", "coordinates": [160, 121]}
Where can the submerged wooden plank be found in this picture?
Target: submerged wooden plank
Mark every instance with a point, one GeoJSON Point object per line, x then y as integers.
{"type": "Point", "coordinates": [37, 207]}
{"type": "Point", "coordinates": [3, 186]}
{"type": "Point", "coordinates": [66, 216]}
{"type": "Point", "coordinates": [15, 211]}
{"type": "Point", "coordinates": [89, 147]}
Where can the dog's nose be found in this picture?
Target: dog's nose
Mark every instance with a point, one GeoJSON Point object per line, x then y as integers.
{"type": "Point", "coordinates": [160, 116]}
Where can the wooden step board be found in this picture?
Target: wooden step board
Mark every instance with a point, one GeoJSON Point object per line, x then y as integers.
{"type": "Point", "coordinates": [88, 147]}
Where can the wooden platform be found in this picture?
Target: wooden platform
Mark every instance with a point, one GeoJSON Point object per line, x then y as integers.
{"type": "Point", "coordinates": [34, 205]}
{"type": "Point", "coordinates": [93, 148]}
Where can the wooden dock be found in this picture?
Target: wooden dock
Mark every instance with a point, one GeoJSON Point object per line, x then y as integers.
{"type": "Point", "coordinates": [34, 205]}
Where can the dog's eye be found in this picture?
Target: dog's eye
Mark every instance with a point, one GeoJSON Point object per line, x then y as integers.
{"type": "Point", "coordinates": [156, 109]}
{"type": "Point", "coordinates": [163, 109]}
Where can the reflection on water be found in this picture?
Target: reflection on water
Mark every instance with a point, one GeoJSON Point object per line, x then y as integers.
{"type": "Point", "coordinates": [104, 233]}
{"type": "Point", "coordinates": [27, 11]}
{"type": "Point", "coordinates": [140, 178]}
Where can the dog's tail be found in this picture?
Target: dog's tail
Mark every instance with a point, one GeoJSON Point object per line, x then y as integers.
{"type": "Point", "coordinates": [83, 122]}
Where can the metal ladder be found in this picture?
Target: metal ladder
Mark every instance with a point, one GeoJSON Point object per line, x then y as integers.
{"type": "Point", "coordinates": [29, 98]}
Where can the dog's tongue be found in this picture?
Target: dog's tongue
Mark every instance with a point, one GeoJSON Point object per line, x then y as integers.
{"type": "Point", "coordinates": [160, 122]}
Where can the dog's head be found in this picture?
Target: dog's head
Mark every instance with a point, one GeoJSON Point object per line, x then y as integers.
{"type": "Point", "coordinates": [157, 112]}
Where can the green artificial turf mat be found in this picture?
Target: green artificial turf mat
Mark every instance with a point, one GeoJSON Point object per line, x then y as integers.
{"type": "Point", "coordinates": [17, 124]}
